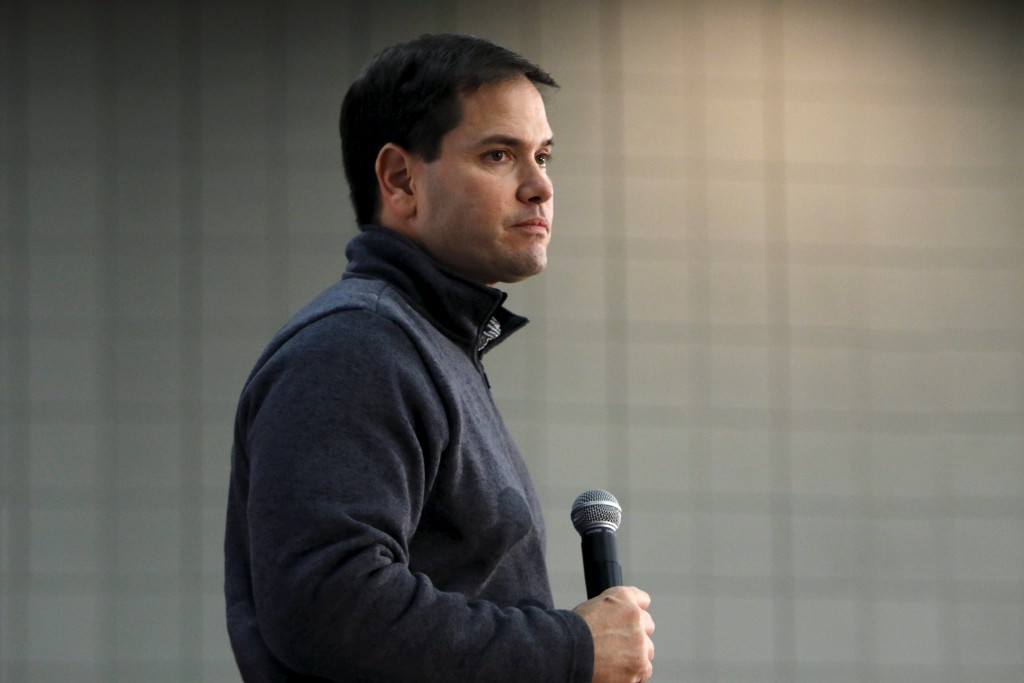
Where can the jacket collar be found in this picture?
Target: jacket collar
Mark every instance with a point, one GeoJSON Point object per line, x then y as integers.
{"type": "Point", "coordinates": [460, 308]}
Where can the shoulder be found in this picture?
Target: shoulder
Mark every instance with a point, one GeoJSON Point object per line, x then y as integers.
{"type": "Point", "coordinates": [358, 333]}
{"type": "Point", "coordinates": [352, 315]}
{"type": "Point", "coordinates": [357, 343]}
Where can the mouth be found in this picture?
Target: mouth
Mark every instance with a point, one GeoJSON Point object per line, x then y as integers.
{"type": "Point", "coordinates": [536, 226]}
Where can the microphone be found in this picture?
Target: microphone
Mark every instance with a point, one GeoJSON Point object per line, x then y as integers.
{"type": "Point", "coordinates": [596, 514]}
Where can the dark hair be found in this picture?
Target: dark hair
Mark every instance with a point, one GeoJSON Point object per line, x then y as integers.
{"type": "Point", "coordinates": [409, 95]}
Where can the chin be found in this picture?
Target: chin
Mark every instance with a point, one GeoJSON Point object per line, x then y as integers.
{"type": "Point", "coordinates": [523, 271]}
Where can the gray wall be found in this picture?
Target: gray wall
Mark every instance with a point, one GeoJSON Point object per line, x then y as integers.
{"type": "Point", "coordinates": [783, 319]}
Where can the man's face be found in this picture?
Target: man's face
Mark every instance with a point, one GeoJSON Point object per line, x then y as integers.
{"type": "Point", "coordinates": [486, 202]}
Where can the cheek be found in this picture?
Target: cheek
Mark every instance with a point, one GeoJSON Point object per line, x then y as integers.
{"type": "Point", "coordinates": [470, 202]}
{"type": "Point", "coordinates": [484, 201]}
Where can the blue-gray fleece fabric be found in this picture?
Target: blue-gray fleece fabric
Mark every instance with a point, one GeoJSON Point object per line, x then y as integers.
{"type": "Point", "coordinates": [381, 524]}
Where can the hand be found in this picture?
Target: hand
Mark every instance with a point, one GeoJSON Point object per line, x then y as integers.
{"type": "Point", "coordinates": [622, 629]}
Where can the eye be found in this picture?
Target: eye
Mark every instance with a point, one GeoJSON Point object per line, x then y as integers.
{"type": "Point", "coordinates": [543, 159]}
{"type": "Point", "coordinates": [496, 155]}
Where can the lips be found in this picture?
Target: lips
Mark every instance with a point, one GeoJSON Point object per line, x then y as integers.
{"type": "Point", "coordinates": [539, 226]}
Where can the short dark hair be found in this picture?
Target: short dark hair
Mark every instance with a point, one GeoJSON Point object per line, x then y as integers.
{"type": "Point", "coordinates": [409, 95]}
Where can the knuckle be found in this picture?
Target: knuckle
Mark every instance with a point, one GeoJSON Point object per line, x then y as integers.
{"type": "Point", "coordinates": [636, 613]}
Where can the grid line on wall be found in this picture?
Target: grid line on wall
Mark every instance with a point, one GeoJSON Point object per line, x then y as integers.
{"type": "Point", "coordinates": [15, 415]}
{"type": "Point", "coordinates": [190, 362]}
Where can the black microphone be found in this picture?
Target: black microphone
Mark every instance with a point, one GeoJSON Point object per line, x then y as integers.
{"type": "Point", "coordinates": [597, 515]}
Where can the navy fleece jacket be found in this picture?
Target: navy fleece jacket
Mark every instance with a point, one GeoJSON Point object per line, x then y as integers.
{"type": "Point", "coordinates": [381, 526]}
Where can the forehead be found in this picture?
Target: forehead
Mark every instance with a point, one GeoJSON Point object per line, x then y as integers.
{"type": "Point", "coordinates": [511, 107]}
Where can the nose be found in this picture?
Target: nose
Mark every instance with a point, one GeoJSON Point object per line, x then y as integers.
{"type": "Point", "coordinates": [535, 187]}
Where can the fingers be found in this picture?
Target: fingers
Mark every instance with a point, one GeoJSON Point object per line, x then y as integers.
{"type": "Point", "coordinates": [621, 627]}
{"type": "Point", "coordinates": [631, 593]}
{"type": "Point", "coordinates": [626, 594]}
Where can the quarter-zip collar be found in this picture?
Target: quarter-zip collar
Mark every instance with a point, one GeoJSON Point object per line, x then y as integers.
{"type": "Point", "coordinates": [462, 309]}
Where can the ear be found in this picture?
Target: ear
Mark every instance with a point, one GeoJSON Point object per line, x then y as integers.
{"type": "Point", "coordinates": [395, 180]}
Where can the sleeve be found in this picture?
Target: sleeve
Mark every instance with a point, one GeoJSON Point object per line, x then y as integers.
{"type": "Point", "coordinates": [344, 435]}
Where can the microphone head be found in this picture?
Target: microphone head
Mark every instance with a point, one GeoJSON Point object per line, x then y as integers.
{"type": "Point", "coordinates": [596, 509]}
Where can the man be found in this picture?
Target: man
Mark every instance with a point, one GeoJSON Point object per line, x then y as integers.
{"type": "Point", "coordinates": [381, 524]}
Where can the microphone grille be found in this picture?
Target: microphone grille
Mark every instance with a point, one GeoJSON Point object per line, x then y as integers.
{"type": "Point", "coordinates": [596, 509]}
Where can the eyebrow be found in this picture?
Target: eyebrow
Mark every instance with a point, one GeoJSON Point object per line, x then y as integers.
{"type": "Point", "coordinates": [510, 141]}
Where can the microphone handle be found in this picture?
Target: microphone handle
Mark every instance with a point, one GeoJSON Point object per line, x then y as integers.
{"type": "Point", "coordinates": [600, 561]}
